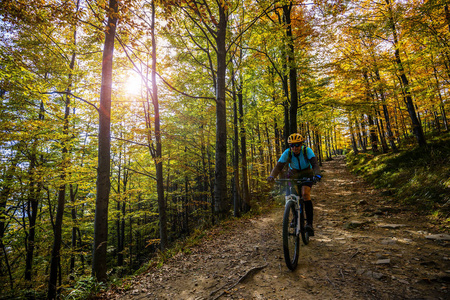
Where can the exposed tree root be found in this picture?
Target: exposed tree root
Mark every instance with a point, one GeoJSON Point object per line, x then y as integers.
{"type": "Point", "coordinates": [249, 273]}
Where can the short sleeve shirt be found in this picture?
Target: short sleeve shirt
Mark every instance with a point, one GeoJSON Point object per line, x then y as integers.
{"type": "Point", "coordinates": [298, 162]}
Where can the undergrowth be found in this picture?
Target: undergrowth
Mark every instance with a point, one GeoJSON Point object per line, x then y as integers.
{"type": "Point", "coordinates": [416, 177]}
{"type": "Point", "coordinates": [185, 246]}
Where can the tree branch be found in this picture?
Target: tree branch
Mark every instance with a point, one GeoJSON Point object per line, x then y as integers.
{"type": "Point", "coordinates": [70, 94]}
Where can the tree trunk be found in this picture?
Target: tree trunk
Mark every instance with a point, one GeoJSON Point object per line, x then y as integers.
{"type": "Point", "coordinates": [269, 150]}
{"type": "Point", "coordinates": [364, 134]}
{"type": "Point", "coordinates": [99, 266]}
{"type": "Point", "coordinates": [236, 186]}
{"type": "Point", "coordinates": [55, 263]}
{"type": "Point", "coordinates": [441, 101]}
{"type": "Point", "coordinates": [287, 8]}
{"type": "Point", "coordinates": [416, 126]}
{"type": "Point", "coordinates": [75, 229]}
{"type": "Point", "coordinates": [220, 185]}
{"type": "Point", "coordinates": [353, 139]}
{"type": "Point", "coordinates": [319, 148]}
{"type": "Point", "coordinates": [120, 242]}
{"type": "Point", "coordinates": [278, 140]}
{"type": "Point", "coordinates": [379, 122]}
{"type": "Point", "coordinates": [245, 188]}
{"type": "Point", "coordinates": [5, 191]}
{"type": "Point", "coordinates": [57, 230]}
{"type": "Point", "coordinates": [386, 114]}
{"type": "Point", "coordinates": [186, 205]}
{"type": "Point", "coordinates": [158, 154]}
{"type": "Point", "coordinates": [372, 133]}
{"type": "Point", "coordinates": [32, 209]}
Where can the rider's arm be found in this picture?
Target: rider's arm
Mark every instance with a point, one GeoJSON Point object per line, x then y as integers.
{"type": "Point", "coordinates": [315, 165]}
{"type": "Point", "coordinates": [277, 169]}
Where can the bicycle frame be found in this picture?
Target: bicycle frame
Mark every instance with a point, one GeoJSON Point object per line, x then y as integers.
{"type": "Point", "coordinates": [295, 196]}
{"type": "Point", "coordinates": [296, 199]}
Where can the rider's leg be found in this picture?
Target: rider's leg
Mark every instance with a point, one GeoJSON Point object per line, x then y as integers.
{"type": "Point", "coordinates": [309, 211]}
{"type": "Point", "coordinates": [306, 193]}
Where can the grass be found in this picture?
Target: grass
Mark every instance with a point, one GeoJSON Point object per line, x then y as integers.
{"type": "Point", "coordinates": [415, 177]}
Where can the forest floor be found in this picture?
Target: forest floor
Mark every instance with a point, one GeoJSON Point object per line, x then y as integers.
{"type": "Point", "coordinates": [365, 247]}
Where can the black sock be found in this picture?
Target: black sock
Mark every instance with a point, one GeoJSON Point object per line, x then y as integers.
{"type": "Point", "coordinates": [309, 212]}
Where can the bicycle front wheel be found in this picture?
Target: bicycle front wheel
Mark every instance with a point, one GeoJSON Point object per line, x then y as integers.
{"type": "Point", "coordinates": [290, 238]}
{"type": "Point", "coordinates": [303, 232]}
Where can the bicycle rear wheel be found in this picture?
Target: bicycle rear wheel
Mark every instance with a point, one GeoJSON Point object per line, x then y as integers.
{"type": "Point", "coordinates": [290, 239]}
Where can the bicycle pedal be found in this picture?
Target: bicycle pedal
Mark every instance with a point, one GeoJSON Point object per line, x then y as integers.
{"type": "Point", "coordinates": [309, 230]}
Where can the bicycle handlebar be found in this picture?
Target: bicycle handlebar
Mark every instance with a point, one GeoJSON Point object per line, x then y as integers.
{"type": "Point", "coordinates": [298, 180]}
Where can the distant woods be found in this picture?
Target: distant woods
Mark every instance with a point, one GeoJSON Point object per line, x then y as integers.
{"type": "Point", "coordinates": [128, 125]}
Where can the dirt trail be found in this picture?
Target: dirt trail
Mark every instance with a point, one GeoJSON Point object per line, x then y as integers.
{"type": "Point", "coordinates": [365, 247]}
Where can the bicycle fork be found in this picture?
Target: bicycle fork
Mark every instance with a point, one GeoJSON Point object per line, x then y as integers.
{"type": "Point", "coordinates": [295, 199]}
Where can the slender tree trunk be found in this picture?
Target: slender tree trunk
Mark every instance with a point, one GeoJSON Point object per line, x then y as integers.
{"type": "Point", "coordinates": [373, 134]}
{"type": "Point", "coordinates": [204, 176]}
{"type": "Point", "coordinates": [185, 205]}
{"type": "Point", "coordinates": [158, 160]}
{"type": "Point", "coordinates": [380, 127]}
{"type": "Point", "coordinates": [360, 137]}
{"type": "Point", "coordinates": [211, 182]}
{"type": "Point", "coordinates": [388, 128]}
{"type": "Point", "coordinates": [364, 134]}
{"type": "Point", "coordinates": [319, 148]}
{"type": "Point", "coordinates": [245, 187]}
{"type": "Point", "coordinates": [278, 140]}
{"type": "Point", "coordinates": [386, 114]}
{"type": "Point", "coordinates": [99, 266]}
{"type": "Point", "coordinates": [5, 191]}
{"type": "Point", "coordinates": [292, 69]}
{"type": "Point", "coordinates": [32, 213]}
{"type": "Point", "coordinates": [286, 129]}
{"type": "Point", "coordinates": [57, 230]}
{"type": "Point", "coordinates": [261, 170]}
{"type": "Point", "coordinates": [441, 101]}
{"type": "Point", "coordinates": [236, 187]}
{"type": "Point", "coordinates": [269, 149]}
{"type": "Point", "coordinates": [75, 229]}
{"type": "Point", "coordinates": [120, 242]}
{"type": "Point", "coordinates": [353, 139]}
{"type": "Point", "coordinates": [32, 209]}
{"type": "Point", "coordinates": [416, 126]}
{"type": "Point", "coordinates": [372, 129]}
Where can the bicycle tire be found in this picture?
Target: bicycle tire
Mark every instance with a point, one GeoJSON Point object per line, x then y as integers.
{"type": "Point", "coordinates": [303, 232]}
{"type": "Point", "coordinates": [291, 240]}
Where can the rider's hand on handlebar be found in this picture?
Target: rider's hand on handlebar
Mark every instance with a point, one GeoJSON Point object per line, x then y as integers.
{"type": "Point", "coordinates": [317, 178]}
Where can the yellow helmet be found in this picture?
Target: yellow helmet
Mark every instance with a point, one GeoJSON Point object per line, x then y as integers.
{"type": "Point", "coordinates": [295, 138]}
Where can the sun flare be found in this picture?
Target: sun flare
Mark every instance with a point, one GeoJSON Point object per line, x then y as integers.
{"type": "Point", "coordinates": [133, 85]}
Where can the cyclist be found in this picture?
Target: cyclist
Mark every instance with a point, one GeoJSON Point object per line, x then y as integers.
{"type": "Point", "coordinates": [301, 163]}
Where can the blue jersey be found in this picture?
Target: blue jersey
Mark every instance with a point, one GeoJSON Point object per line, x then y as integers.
{"type": "Point", "coordinates": [298, 162]}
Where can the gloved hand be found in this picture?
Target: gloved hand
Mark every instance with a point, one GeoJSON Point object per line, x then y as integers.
{"type": "Point", "coordinates": [317, 178]}
{"type": "Point", "coordinates": [270, 179]}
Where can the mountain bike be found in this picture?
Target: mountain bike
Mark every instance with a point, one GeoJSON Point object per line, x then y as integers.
{"type": "Point", "coordinates": [293, 220]}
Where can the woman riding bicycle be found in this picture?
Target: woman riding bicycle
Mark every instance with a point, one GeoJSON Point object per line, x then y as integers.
{"type": "Point", "coordinates": [301, 163]}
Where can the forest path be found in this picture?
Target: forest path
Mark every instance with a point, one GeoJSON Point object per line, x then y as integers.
{"type": "Point", "coordinates": [365, 247]}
